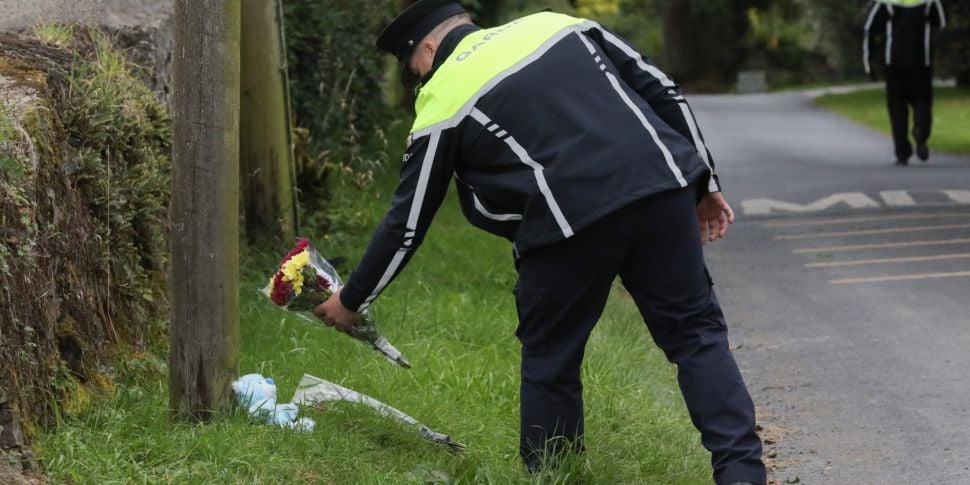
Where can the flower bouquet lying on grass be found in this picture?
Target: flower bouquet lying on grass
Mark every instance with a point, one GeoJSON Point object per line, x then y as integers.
{"type": "Point", "coordinates": [313, 390]}
{"type": "Point", "coordinates": [304, 280]}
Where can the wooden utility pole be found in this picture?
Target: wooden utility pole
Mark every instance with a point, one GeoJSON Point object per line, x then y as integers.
{"type": "Point", "coordinates": [265, 149]}
{"type": "Point", "coordinates": [204, 325]}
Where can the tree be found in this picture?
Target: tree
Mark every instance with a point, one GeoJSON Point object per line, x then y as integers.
{"type": "Point", "coordinates": [204, 288]}
{"type": "Point", "coordinates": [842, 25]}
{"type": "Point", "coordinates": [955, 42]}
{"type": "Point", "coordinates": [677, 55]}
{"type": "Point", "coordinates": [265, 149]}
{"type": "Point", "coordinates": [337, 76]}
{"type": "Point", "coordinates": [703, 40]}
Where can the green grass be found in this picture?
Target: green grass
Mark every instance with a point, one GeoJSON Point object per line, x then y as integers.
{"type": "Point", "coordinates": [55, 34]}
{"type": "Point", "coordinates": [452, 314]}
{"type": "Point", "coordinates": [951, 114]}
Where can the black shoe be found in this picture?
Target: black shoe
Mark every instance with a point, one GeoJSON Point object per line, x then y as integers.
{"type": "Point", "coordinates": [742, 483]}
{"type": "Point", "coordinates": [902, 161]}
{"type": "Point", "coordinates": [922, 151]}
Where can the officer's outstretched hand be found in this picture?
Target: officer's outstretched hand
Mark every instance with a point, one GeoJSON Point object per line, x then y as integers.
{"type": "Point", "coordinates": [335, 314]}
{"type": "Point", "coordinates": [714, 214]}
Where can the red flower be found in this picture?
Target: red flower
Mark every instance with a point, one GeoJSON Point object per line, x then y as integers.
{"type": "Point", "coordinates": [281, 290]}
{"type": "Point", "coordinates": [300, 246]}
{"type": "Point", "coordinates": [322, 283]}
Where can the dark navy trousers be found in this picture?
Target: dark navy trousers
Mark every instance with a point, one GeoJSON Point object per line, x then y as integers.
{"type": "Point", "coordinates": [653, 245]}
{"type": "Point", "coordinates": [909, 88]}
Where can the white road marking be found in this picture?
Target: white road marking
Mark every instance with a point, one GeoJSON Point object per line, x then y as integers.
{"type": "Point", "coordinates": [869, 232]}
{"type": "Point", "coordinates": [958, 196]}
{"type": "Point", "coordinates": [855, 247]}
{"type": "Point", "coordinates": [854, 220]}
{"type": "Point", "coordinates": [909, 277]}
{"type": "Point", "coordinates": [906, 259]}
{"type": "Point", "coordinates": [897, 198]}
{"type": "Point", "coordinates": [856, 200]}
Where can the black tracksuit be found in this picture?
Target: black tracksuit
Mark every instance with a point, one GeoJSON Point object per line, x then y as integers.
{"type": "Point", "coordinates": [563, 139]}
{"type": "Point", "coordinates": [906, 31]}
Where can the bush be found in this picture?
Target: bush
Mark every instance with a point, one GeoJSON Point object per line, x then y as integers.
{"type": "Point", "coordinates": [954, 42]}
{"type": "Point", "coordinates": [336, 77]}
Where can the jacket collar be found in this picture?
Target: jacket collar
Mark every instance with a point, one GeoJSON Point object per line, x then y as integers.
{"type": "Point", "coordinates": [447, 46]}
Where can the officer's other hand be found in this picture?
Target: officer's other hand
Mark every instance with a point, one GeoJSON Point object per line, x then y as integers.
{"type": "Point", "coordinates": [335, 314]}
{"type": "Point", "coordinates": [714, 214]}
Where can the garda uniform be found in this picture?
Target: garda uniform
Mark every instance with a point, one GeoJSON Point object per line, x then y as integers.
{"type": "Point", "coordinates": [563, 139]}
{"type": "Point", "coordinates": [905, 28]}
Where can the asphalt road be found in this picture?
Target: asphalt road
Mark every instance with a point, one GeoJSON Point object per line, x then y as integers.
{"type": "Point", "coordinates": [846, 282]}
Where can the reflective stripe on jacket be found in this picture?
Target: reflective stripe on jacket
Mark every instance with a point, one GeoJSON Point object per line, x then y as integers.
{"type": "Point", "coordinates": [545, 124]}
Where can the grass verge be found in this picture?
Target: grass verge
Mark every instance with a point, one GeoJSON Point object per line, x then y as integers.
{"type": "Point", "coordinates": [452, 314]}
{"type": "Point", "coordinates": [951, 114]}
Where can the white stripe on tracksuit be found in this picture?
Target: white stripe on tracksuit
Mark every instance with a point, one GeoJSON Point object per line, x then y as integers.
{"type": "Point", "coordinates": [865, 39]}
{"type": "Point", "coordinates": [491, 215]}
{"type": "Point", "coordinates": [889, 39]}
{"type": "Point", "coordinates": [412, 223]}
{"type": "Point", "coordinates": [928, 28]}
{"type": "Point", "coordinates": [939, 11]}
{"type": "Point", "coordinates": [629, 51]}
{"type": "Point", "coordinates": [684, 109]}
{"type": "Point", "coordinates": [926, 40]}
{"type": "Point", "coordinates": [537, 170]}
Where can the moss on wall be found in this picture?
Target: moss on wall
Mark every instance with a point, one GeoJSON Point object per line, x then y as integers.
{"type": "Point", "coordinates": [84, 192]}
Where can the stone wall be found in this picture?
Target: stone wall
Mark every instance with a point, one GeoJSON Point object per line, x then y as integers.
{"type": "Point", "coordinates": [54, 338]}
{"type": "Point", "coordinates": [142, 27]}
{"type": "Point", "coordinates": [21, 14]}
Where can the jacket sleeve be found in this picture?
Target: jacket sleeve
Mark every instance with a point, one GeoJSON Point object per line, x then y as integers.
{"type": "Point", "coordinates": [937, 17]}
{"type": "Point", "coordinates": [875, 27]}
{"type": "Point", "coordinates": [658, 90]}
{"type": "Point", "coordinates": [425, 176]}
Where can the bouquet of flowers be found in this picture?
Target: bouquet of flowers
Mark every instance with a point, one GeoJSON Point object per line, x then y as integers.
{"type": "Point", "coordinates": [304, 280]}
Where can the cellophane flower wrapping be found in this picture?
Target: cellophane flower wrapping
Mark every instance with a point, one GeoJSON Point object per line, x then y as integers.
{"type": "Point", "coordinates": [314, 390]}
{"type": "Point", "coordinates": [305, 279]}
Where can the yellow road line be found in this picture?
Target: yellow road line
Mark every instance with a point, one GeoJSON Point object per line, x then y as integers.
{"type": "Point", "coordinates": [854, 247]}
{"type": "Point", "coordinates": [850, 220]}
{"type": "Point", "coordinates": [881, 279]}
{"type": "Point", "coordinates": [869, 232]}
{"type": "Point", "coordinates": [908, 259]}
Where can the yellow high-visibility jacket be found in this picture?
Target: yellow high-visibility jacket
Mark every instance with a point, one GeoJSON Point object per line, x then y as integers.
{"type": "Point", "coordinates": [545, 124]}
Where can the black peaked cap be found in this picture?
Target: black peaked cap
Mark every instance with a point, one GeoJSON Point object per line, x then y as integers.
{"type": "Point", "coordinates": [407, 29]}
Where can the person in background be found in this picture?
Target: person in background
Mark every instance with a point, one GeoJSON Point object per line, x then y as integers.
{"type": "Point", "coordinates": [905, 29]}
{"type": "Point", "coordinates": [562, 138]}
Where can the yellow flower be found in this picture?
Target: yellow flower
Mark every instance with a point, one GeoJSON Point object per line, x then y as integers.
{"type": "Point", "coordinates": [293, 270]}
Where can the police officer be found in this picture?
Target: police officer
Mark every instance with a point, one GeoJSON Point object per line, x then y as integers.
{"type": "Point", "coordinates": [562, 138]}
{"type": "Point", "coordinates": [905, 28]}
